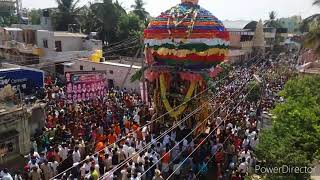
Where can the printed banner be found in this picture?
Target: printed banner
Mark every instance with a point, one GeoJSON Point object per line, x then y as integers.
{"type": "Point", "coordinates": [84, 86]}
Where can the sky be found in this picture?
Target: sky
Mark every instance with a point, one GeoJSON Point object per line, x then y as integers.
{"type": "Point", "coordinates": [223, 9]}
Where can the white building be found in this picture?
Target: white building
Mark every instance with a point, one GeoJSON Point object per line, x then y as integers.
{"type": "Point", "coordinates": [118, 74]}
{"type": "Point", "coordinates": [56, 43]}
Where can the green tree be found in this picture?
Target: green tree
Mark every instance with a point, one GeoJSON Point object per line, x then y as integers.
{"type": "Point", "coordinates": [8, 20]}
{"type": "Point", "coordinates": [312, 39]}
{"type": "Point", "coordinates": [129, 25]}
{"type": "Point", "coordinates": [272, 22]}
{"type": "Point", "coordinates": [34, 16]}
{"type": "Point", "coordinates": [87, 19]}
{"type": "Point", "coordinates": [7, 15]}
{"type": "Point", "coordinates": [294, 138]}
{"type": "Point", "coordinates": [111, 21]}
{"type": "Point", "coordinates": [107, 14]}
{"type": "Point", "coordinates": [313, 18]}
{"type": "Point", "coordinates": [139, 10]}
{"type": "Point", "coordinates": [66, 14]}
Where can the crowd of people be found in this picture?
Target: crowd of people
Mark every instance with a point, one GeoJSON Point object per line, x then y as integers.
{"type": "Point", "coordinates": [107, 138]}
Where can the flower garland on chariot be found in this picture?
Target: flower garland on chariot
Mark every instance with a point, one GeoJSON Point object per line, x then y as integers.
{"type": "Point", "coordinates": [189, 37]}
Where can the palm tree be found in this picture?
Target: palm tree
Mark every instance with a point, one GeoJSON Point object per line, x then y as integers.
{"type": "Point", "coordinates": [86, 19]}
{"type": "Point", "coordinates": [67, 13]}
{"type": "Point", "coordinates": [272, 15]}
{"type": "Point", "coordinates": [106, 16]}
{"type": "Point", "coordinates": [272, 22]}
{"type": "Point", "coordinates": [139, 10]}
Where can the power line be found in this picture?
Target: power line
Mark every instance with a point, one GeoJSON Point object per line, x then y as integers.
{"type": "Point", "coordinates": [149, 123]}
{"type": "Point", "coordinates": [123, 41]}
{"type": "Point", "coordinates": [162, 135]}
{"type": "Point", "coordinates": [210, 133]}
{"type": "Point", "coordinates": [199, 125]}
{"type": "Point", "coordinates": [213, 130]}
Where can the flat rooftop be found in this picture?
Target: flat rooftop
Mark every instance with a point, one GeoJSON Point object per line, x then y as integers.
{"type": "Point", "coordinates": [68, 34]}
{"type": "Point", "coordinates": [12, 67]}
{"type": "Point", "coordinates": [121, 65]}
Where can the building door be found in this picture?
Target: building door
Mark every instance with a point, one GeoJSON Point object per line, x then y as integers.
{"type": "Point", "coordinates": [110, 83]}
{"type": "Point", "coordinates": [58, 46]}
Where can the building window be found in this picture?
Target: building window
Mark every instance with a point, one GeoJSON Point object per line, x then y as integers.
{"type": "Point", "coordinates": [93, 68]}
{"type": "Point", "coordinates": [111, 72]}
{"type": "Point", "coordinates": [58, 46]}
{"type": "Point", "coordinates": [81, 68]}
{"type": "Point", "coordinates": [45, 43]}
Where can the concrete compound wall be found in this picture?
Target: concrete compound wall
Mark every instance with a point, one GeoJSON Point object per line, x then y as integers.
{"type": "Point", "coordinates": [115, 73]}
{"type": "Point", "coordinates": [70, 43]}
{"type": "Point", "coordinates": [16, 120]}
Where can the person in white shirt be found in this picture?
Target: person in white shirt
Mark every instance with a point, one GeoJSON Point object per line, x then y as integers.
{"type": "Point", "coordinates": [107, 162]}
{"type": "Point", "coordinates": [131, 150]}
{"type": "Point", "coordinates": [63, 152]}
{"type": "Point", "coordinates": [18, 177]}
{"type": "Point", "coordinates": [141, 158]}
{"type": "Point", "coordinates": [122, 154]}
{"type": "Point", "coordinates": [125, 149]}
{"type": "Point", "coordinates": [85, 169]}
{"type": "Point", "coordinates": [166, 140]}
{"type": "Point", "coordinates": [252, 134]}
{"type": "Point", "coordinates": [124, 173]}
{"type": "Point", "coordinates": [176, 150]}
{"type": "Point", "coordinates": [139, 145]}
{"type": "Point", "coordinates": [54, 166]}
{"type": "Point", "coordinates": [218, 121]}
{"type": "Point", "coordinates": [176, 170]}
{"type": "Point", "coordinates": [95, 158]}
{"type": "Point", "coordinates": [135, 177]}
{"type": "Point", "coordinates": [6, 175]}
{"type": "Point", "coordinates": [76, 157]}
{"type": "Point", "coordinates": [144, 132]}
{"type": "Point", "coordinates": [243, 167]}
{"type": "Point", "coordinates": [158, 148]}
{"type": "Point", "coordinates": [109, 176]}
{"type": "Point", "coordinates": [33, 154]}
{"type": "Point", "coordinates": [185, 144]}
{"type": "Point", "coordinates": [135, 156]}
{"type": "Point", "coordinates": [132, 166]}
{"type": "Point", "coordinates": [253, 142]}
{"type": "Point", "coordinates": [136, 118]}
{"type": "Point", "coordinates": [245, 143]}
{"type": "Point", "coordinates": [245, 154]}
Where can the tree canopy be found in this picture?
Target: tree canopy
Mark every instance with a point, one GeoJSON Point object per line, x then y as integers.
{"type": "Point", "coordinates": [66, 14]}
{"type": "Point", "coordinates": [34, 16]}
{"type": "Point", "coordinates": [294, 138]}
{"type": "Point", "coordinates": [273, 22]}
{"type": "Point", "coordinates": [139, 10]}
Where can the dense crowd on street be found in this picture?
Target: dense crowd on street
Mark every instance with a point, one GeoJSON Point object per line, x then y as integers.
{"type": "Point", "coordinates": [94, 139]}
